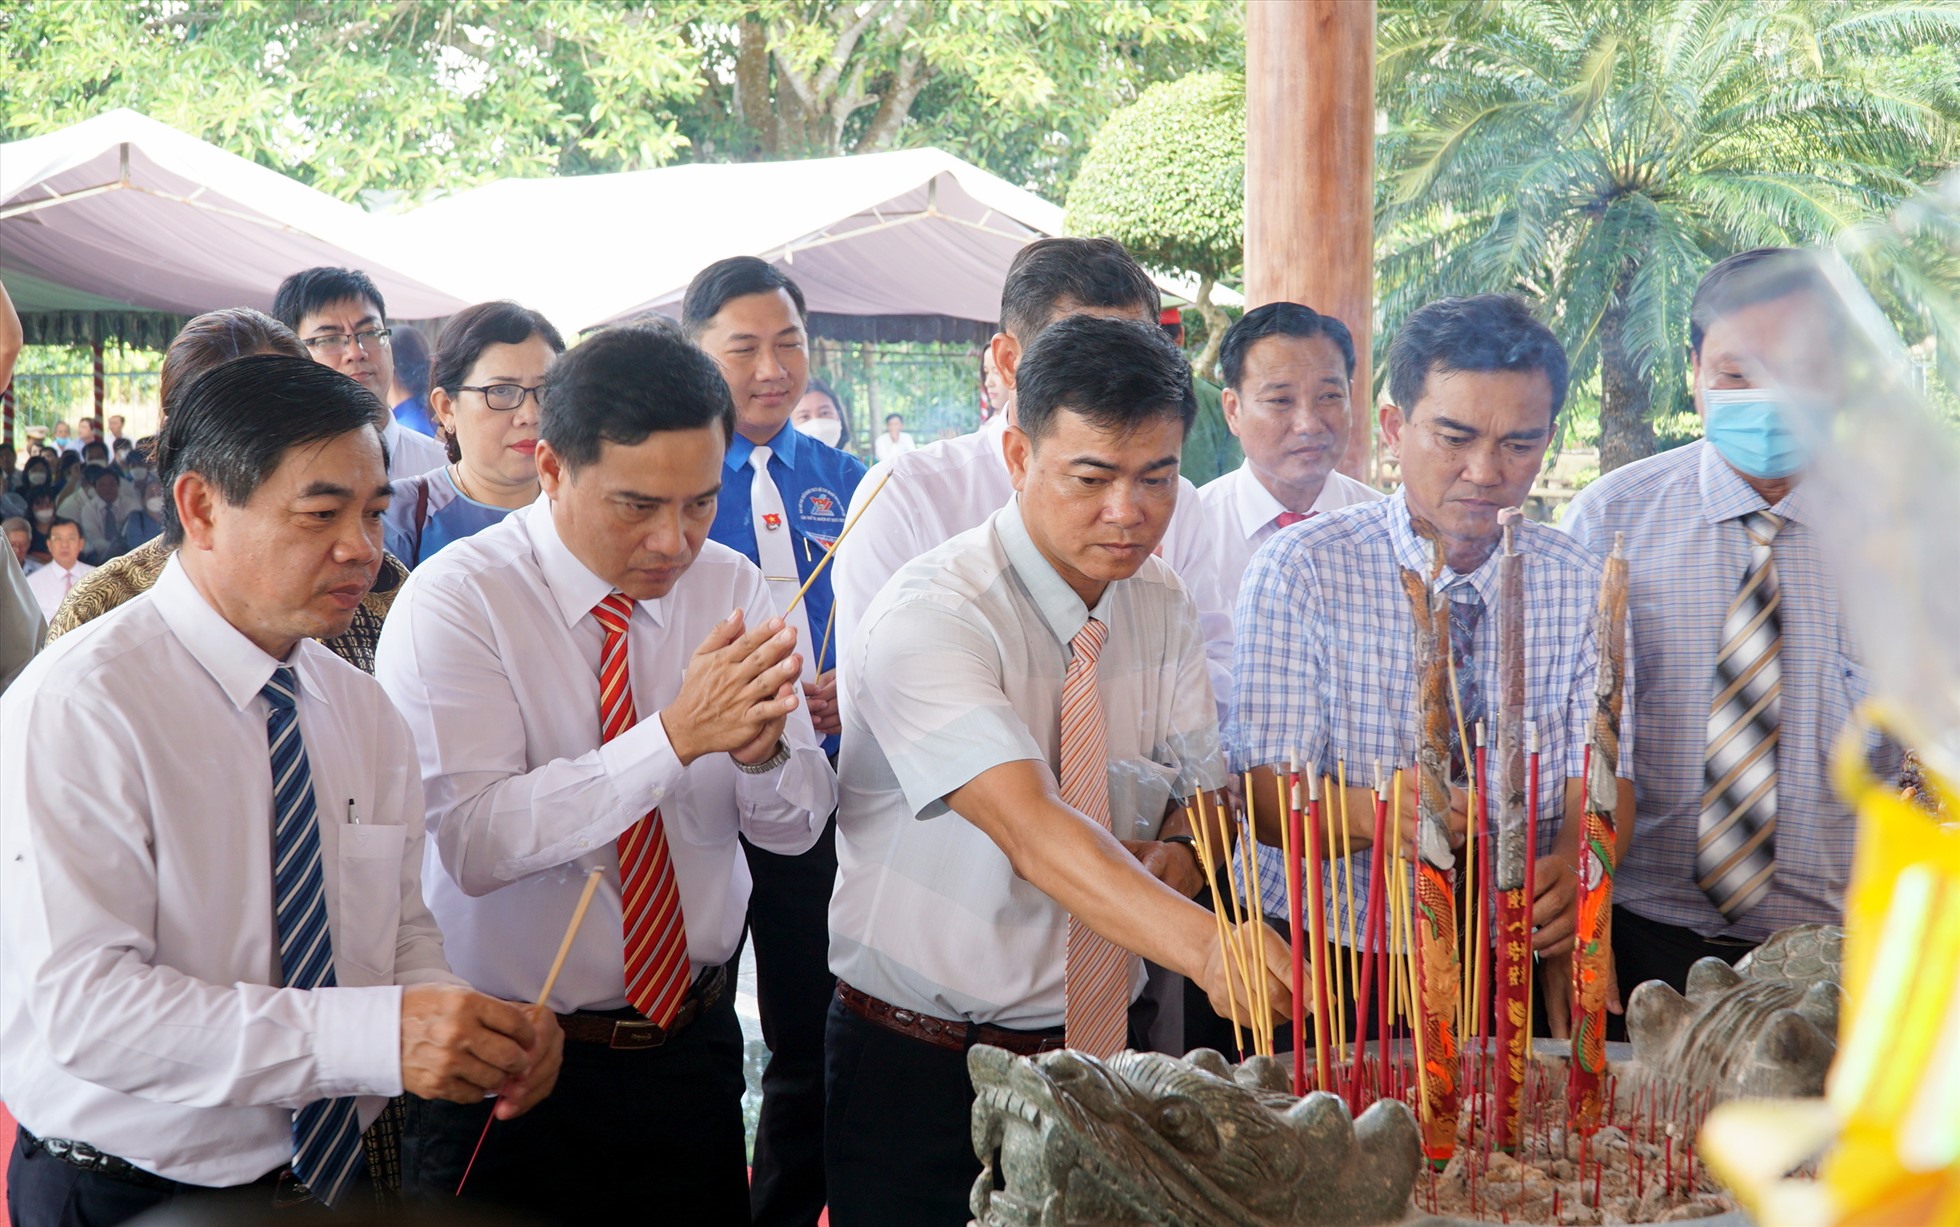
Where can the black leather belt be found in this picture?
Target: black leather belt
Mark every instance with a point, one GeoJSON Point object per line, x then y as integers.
{"type": "Point", "coordinates": [628, 1029]}
{"type": "Point", "coordinates": [946, 1033]}
{"type": "Point", "coordinates": [281, 1187]}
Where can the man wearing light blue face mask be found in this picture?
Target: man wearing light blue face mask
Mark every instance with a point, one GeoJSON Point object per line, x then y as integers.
{"type": "Point", "coordinates": [1748, 672]}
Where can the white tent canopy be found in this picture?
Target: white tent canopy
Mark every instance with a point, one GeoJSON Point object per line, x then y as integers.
{"type": "Point", "coordinates": [125, 217]}
{"type": "Point", "coordinates": [895, 245]}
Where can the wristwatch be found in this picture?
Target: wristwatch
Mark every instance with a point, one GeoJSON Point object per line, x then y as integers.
{"type": "Point", "coordinates": [767, 765]}
{"type": "Point", "coordinates": [1187, 841]}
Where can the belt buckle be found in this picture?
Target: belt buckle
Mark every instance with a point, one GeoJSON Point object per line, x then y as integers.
{"type": "Point", "coordinates": [629, 1034]}
{"type": "Point", "coordinates": [288, 1192]}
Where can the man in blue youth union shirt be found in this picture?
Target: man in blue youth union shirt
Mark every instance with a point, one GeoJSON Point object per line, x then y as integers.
{"type": "Point", "coordinates": [782, 504]}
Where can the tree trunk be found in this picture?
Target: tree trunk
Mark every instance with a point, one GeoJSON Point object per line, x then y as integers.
{"type": "Point", "coordinates": [1626, 432]}
{"type": "Point", "coordinates": [752, 83]}
{"type": "Point", "coordinates": [1216, 322]}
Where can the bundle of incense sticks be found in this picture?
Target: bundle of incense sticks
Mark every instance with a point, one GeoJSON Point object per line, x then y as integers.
{"type": "Point", "coordinates": [1591, 959]}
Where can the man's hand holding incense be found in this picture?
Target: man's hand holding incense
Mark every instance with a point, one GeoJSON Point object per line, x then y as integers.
{"type": "Point", "coordinates": [461, 1045]}
{"type": "Point", "coordinates": [1224, 978]}
{"type": "Point", "coordinates": [737, 692]}
{"type": "Point", "coordinates": [1459, 818]}
{"type": "Point", "coordinates": [822, 697]}
{"type": "Point", "coordinates": [525, 1091]}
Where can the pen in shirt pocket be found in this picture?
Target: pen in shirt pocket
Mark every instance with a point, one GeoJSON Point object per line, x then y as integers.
{"type": "Point", "coordinates": [353, 819]}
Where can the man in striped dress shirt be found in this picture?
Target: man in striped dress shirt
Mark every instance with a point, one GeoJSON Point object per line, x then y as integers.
{"type": "Point", "coordinates": [1750, 673]}
{"type": "Point", "coordinates": [1325, 662]}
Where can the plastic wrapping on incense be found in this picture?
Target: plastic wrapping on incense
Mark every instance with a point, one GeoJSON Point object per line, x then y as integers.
{"type": "Point", "coordinates": [1591, 959]}
{"type": "Point", "coordinates": [1439, 971]}
{"type": "Point", "coordinates": [1509, 854]}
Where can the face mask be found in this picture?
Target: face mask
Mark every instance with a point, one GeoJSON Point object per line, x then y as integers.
{"type": "Point", "coordinates": [823, 430]}
{"type": "Point", "coordinates": [44, 515]}
{"type": "Point", "coordinates": [37, 478]}
{"type": "Point", "coordinates": [137, 472]}
{"type": "Point", "coordinates": [154, 506]}
{"type": "Point", "coordinates": [1751, 429]}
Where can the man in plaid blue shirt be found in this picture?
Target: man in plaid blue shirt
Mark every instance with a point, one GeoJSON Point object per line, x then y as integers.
{"type": "Point", "coordinates": [1324, 668]}
{"type": "Point", "coordinates": [1700, 521]}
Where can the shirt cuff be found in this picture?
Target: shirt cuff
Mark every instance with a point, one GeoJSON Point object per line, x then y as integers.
{"type": "Point", "coordinates": [357, 1039]}
{"type": "Point", "coordinates": [641, 764]}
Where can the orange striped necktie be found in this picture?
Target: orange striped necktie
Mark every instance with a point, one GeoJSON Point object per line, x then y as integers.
{"type": "Point", "coordinates": [1099, 971]}
{"type": "Point", "coordinates": [649, 899]}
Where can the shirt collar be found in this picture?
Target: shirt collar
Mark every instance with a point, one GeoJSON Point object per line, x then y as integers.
{"type": "Point", "coordinates": [1419, 555]}
{"type": "Point", "coordinates": [573, 586]}
{"type": "Point", "coordinates": [782, 445]}
{"type": "Point", "coordinates": [1726, 496]}
{"type": "Point", "coordinates": [240, 667]}
{"type": "Point", "coordinates": [1060, 608]}
{"type": "Point", "coordinates": [1257, 507]}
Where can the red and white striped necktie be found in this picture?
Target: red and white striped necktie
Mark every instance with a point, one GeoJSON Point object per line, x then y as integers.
{"type": "Point", "coordinates": [657, 969]}
{"type": "Point", "coordinates": [1099, 971]}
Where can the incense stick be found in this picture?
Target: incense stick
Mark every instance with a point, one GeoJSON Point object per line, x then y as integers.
{"type": "Point", "coordinates": [1210, 866]}
{"type": "Point", "coordinates": [544, 995]}
{"type": "Point", "coordinates": [1291, 837]}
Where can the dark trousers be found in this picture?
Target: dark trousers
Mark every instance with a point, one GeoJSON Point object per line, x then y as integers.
{"type": "Point", "coordinates": [898, 1126]}
{"type": "Point", "coordinates": [789, 922]}
{"type": "Point", "coordinates": [650, 1135]}
{"type": "Point", "coordinates": [1646, 950]}
{"type": "Point", "coordinates": [43, 1191]}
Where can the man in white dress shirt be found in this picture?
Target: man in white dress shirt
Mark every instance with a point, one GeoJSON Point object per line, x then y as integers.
{"type": "Point", "coordinates": [337, 313]}
{"type": "Point", "coordinates": [1287, 374]}
{"type": "Point", "coordinates": [218, 962]}
{"type": "Point", "coordinates": [945, 488]}
{"type": "Point", "coordinates": [53, 582]}
{"type": "Point", "coordinates": [1029, 703]}
{"type": "Point", "coordinates": [595, 685]}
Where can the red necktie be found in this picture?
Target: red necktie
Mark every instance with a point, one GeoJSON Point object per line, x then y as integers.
{"type": "Point", "coordinates": [1288, 519]}
{"type": "Point", "coordinates": [1097, 983]}
{"type": "Point", "coordinates": [649, 899]}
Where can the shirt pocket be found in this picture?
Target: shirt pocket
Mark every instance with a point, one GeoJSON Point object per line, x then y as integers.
{"type": "Point", "coordinates": [1139, 791]}
{"type": "Point", "coordinates": [369, 860]}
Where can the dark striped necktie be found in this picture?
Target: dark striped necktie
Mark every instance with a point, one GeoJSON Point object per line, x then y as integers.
{"type": "Point", "coordinates": [327, 1152]}
{"type": "Point", "coordinates": [1735, 851]}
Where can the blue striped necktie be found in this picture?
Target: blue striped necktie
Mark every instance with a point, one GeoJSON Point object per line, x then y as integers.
{"type": "Point", "coordinates": [327, 1152]}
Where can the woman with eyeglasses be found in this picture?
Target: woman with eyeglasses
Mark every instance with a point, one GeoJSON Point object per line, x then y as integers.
{"type": "Point", "coordinates": [483, 392]}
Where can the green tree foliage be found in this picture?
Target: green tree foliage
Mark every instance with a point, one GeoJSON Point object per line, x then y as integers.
{"type": "Point", "coordinates": [410, 96]}
{"type": "Point", "coordinates": [1598, 155]}
{"type": "Point", "coordinates": [1166, 178]}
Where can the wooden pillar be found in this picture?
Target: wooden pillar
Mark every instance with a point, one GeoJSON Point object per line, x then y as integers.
{"type": "Point", "coordinates": [1310, 174]}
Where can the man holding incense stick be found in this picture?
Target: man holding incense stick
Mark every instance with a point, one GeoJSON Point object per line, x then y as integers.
{"type": "Point", "coordinates": [1738, 635]}
{"type": "Point", "coordinates": [595, 685]}
{"type": "Point", "coordinates": [1325, 663]}
{"type": "Point", "coordinates": [218, 963]}
{"type": "Point", "coordinates": [1024, 705]}
{"type": "Point", "coordinates": [782, 504]}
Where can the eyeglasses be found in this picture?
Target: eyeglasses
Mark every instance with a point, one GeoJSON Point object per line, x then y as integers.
{"type": "Point", "coordinates": [368, 339]}
{"type": "Point", "coordinates": [507, 396]}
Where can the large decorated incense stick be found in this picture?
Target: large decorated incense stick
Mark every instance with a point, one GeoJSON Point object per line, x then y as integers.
{"type": "Point", "coordinates": [1513, 990]}
{"type": "Point", "coordinates": [1592, 958]}
{"type": "Point", "coordinates": [1439, 972]}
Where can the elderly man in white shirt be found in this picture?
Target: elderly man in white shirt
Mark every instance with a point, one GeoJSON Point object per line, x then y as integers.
{"type": "Point", "coordinates": [596, 686]}
{"type": "Point", "coordinates": [943, 489]}
{"type": "Point", "coordinates": [218, 963]}
{"type": "Point", "coordinates": [1287, 397]}
{"type": "Point", "coordinates": [1029, 706]}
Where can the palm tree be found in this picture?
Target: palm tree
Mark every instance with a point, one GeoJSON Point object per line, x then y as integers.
{"type": "Point", "coordinates": [1598, 155]}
